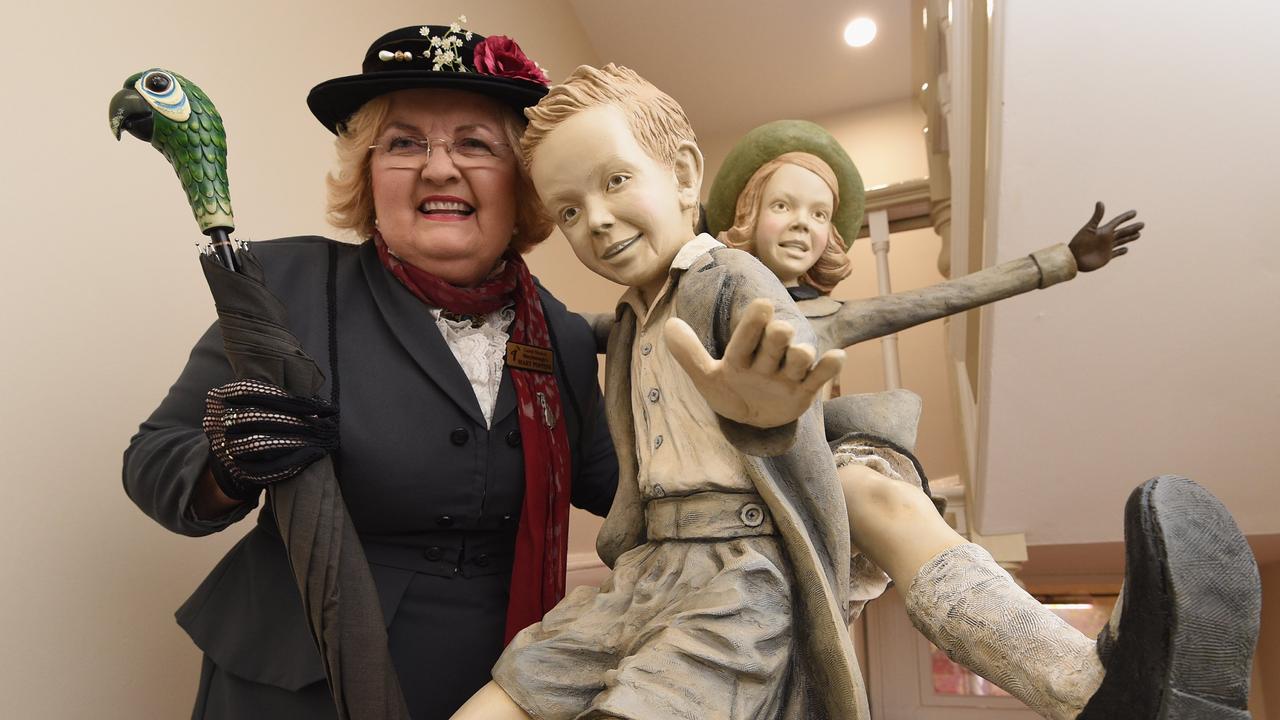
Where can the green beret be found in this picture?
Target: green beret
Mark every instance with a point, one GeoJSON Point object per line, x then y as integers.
{"type": "Point", "coordinates": [768, 142]}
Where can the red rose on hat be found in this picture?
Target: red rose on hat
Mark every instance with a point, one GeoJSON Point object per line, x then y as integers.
{"type": "Point", "coordinates": [500, 56]}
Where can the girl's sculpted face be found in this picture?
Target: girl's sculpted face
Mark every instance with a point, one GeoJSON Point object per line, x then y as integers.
{"type": "Point", "coordinates": [794, 223]}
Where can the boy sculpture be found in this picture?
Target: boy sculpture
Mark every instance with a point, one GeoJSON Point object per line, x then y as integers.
{"type": "Point", "coordinates": [731, 535]}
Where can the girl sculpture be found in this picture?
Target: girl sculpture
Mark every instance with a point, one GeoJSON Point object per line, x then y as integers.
{"type": "Point", "coordinates": [789, 194]}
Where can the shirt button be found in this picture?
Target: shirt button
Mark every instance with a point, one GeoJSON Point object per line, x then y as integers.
{"type": "Point", "coordinates": [657, 442]}
{"type": "Point", "coordinates": [646, 348]}
{"type": "Point", "coordinates": [658, 491]}
{"type": "Point", "coordinates": [432, 553]}
{"type": "Point", "coordinates": [654, 394]}
{"type": "Point", "coordinates": [459, 436]}
{"type": "Point", "coordinates": [444, 521]}
{"type": "Point", "coordinates": [513, 438]}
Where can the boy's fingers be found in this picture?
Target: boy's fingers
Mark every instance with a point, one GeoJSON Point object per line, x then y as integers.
{"type": "Point", "coordinates": [777, 337]}
{"type": "Point", "coordinates": [828, 366]}
{"type": "Point", "coordinates": [685, 347]}
{"type": "Point", "coordinates": [799, 360]}
{"type": "Point", "coordinates": [746, 337]}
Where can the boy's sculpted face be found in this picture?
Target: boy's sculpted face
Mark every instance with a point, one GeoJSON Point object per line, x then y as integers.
{"type": "Point", "coordinates": [794, 222]}
{"type": "Point", "coordinates": [625, 214]}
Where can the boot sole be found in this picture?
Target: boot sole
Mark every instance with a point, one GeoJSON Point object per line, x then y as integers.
{"type": "Point", "coordinates": [1190, 613]}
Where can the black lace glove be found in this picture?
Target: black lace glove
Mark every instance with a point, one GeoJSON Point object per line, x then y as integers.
{"type": "Point", "coordinates": [259, 435]}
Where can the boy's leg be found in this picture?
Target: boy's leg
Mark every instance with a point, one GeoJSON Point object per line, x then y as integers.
{"type": "Point", "coordinates": [490, 702]}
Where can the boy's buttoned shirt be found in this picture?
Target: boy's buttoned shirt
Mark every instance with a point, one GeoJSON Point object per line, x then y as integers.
{"type": "Point", "coordinates": [679, 446]}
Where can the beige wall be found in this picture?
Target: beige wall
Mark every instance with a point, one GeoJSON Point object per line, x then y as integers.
{"type": "Point", "coordinates": [102, 299]}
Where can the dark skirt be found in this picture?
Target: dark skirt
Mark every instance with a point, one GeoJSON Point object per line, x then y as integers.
{"type": "Point", "coordinates": [444, 638]}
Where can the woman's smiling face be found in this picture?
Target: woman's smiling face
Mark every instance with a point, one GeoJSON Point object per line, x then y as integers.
{"type": "Point", "coordinates": [449, 221]}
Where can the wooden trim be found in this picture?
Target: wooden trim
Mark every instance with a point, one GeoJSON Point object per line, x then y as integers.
{"type": "Point", "coordinates": [907, 204]}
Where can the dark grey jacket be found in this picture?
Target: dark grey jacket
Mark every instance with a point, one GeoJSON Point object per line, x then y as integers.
{"type": "Point", "coordinates": [433, 493]}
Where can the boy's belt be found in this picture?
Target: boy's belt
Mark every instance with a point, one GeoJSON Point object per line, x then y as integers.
{"type": "Point", "coordinates": [707, 516]}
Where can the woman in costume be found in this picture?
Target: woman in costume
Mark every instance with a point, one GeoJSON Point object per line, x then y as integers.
{"type": "Point", "coordinates": [457, 442]}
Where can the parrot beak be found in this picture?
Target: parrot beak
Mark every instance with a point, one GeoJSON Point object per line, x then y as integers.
{"type": "Point", "coordinates": [128, 111]}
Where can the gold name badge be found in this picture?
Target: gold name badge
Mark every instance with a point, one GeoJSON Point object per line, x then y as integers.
{"type": "Point", "coordinates": [529, 357]}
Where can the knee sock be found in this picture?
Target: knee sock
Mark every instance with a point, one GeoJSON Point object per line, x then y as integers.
{"type": "Point", "coordinates": [968, 606]}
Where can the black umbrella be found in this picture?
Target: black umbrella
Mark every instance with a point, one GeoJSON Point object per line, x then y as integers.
{"type": "Point", "coordinates": [337, 589]}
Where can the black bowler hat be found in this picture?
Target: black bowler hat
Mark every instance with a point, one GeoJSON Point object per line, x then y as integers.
{"type": "Point", "coordinates": [432, 56]}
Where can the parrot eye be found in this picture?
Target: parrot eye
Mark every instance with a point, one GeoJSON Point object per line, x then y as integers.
{"type": "Point", "coordinates": [157, 82]}
{"type": "Point", "coordinates": [162, 90]}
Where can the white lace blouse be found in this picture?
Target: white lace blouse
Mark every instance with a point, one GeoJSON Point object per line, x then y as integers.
{"type": "Point", "coordinates": [481, 351]}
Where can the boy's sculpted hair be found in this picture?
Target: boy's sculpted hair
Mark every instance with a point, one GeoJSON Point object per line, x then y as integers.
{"type": "Point", "coordinates": [655, 118]}
{"type": "Point", "coordinates": [833, 266]}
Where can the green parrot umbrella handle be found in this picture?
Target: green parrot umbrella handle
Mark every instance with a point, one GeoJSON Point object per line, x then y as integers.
{"type": "Point", "coordinates": [178, 119]}
{"type": "Point", "coordinates": [335, 583]}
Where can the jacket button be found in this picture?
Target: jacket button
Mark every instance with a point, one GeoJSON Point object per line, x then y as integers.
{"type": "Point", "coordinates": [506, 519]}
{"type": "Point", "coordinates": [513, 438]}
{"type": "Point", "coordinates": [459, 436]}
{"type": "Point", "coordinates": [481, 560]}
{"type": "Point", "coordinates": [432, 553]}
{"type": "Point", "coordinates": [444, 521]}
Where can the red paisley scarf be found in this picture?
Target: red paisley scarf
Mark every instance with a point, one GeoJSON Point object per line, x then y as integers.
{"type": "Point", "coordinates": [537, 577]}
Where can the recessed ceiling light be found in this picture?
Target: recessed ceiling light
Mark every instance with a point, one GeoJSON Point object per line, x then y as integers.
{"type": "Point", "coordinates": [860, 32]}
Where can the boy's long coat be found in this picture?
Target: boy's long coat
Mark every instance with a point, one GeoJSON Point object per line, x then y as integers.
{"type": "Point", "coordinates": [791, 467]}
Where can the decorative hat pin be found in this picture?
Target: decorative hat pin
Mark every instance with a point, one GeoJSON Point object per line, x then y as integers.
{"type": "Point", "coordinates": [174, 115]}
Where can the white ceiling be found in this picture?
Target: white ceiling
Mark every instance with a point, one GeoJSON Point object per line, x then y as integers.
{"type": "Point", "coordinates": [734, 65]}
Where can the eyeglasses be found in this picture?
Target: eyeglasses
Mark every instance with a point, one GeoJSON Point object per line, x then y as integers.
{"type": "Point", "coordinates": [411, 153]}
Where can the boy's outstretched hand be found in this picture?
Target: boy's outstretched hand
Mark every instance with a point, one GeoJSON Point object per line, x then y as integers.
{"type": "Point", "coordinates": [763, 380]}
{"type": "Point", "coordinates": [1095, 246]}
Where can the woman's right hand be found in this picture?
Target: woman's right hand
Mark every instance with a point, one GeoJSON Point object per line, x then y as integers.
{"type": "Point", "coordinates": [259, 435]}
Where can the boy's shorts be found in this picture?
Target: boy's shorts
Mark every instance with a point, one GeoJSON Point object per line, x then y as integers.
{"type": "Point", "coordinates": [680, 629]}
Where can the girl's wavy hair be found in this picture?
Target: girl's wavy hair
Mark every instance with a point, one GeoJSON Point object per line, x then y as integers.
{"type": "Point", "coordinates": [351, 187]}
{"type": "Point", "coordinates": [833, 265]}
